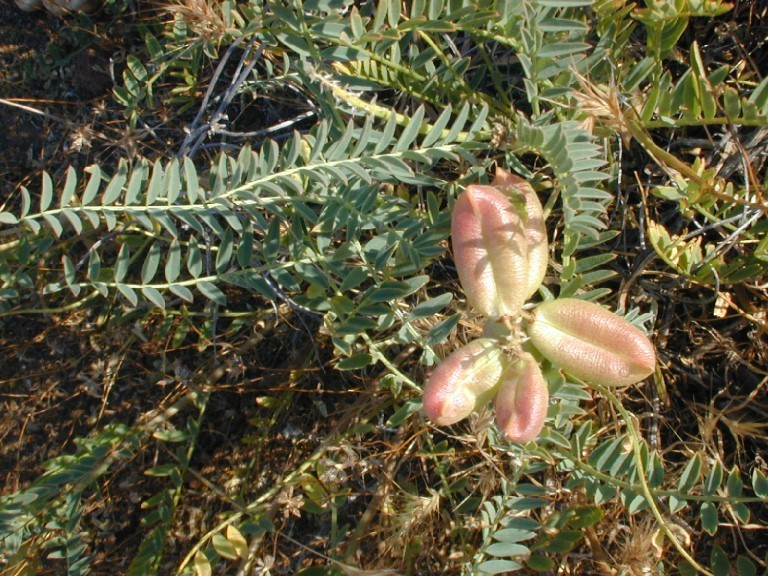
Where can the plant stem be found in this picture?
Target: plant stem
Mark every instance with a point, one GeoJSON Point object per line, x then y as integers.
{"type": "Point", "coordinates": [645, 488]}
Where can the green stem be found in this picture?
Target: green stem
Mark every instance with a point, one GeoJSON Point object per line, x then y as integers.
{"type": "Point", "coordinates": [644, 487]}
{"type": "Point", "coordinates": [373, 347]}
{"type": "Point", "coordinates": [67, 308]}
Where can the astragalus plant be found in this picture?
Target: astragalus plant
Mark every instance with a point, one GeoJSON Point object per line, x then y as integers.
{"type": "Point", "coordinates": [500, 248]}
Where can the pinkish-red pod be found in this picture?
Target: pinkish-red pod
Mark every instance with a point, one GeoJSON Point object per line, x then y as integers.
{"type": "Point", "coordinates": [464, 381]}
{"type": "Point", "coordinates": [525, 198]}
{"type": "Point", "coordinates": [522, 400]}
{"type": "Point", "coordinates": [490, 250]}
{"type": "Point", "coordinates": [591, 342]}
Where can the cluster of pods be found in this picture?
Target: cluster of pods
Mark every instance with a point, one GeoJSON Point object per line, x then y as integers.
{"type": "Point", "coordinates": [501, 253]}
{"type": "Point", "coordinates": [60, 7]}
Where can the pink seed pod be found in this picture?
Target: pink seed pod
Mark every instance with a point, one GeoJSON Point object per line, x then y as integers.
{"type": "Point", "coordinates": [522, 194]}
{"type": "Point", "coordinates": [490, 250]}
{"type": "Point", "coordinates": [591, 342]}
{"type": "Point", "coordinates": [464, 381]}
{"type": "Point", "coordinates": [522, 400]}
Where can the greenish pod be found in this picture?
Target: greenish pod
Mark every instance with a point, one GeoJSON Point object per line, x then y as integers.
{"type": "Point", "coordinates": [465, 381]}
{"type": "Point", "coordinates": [524, 197]}
{"type": "Point", "coordinates": [591, 342]}
{"type": "Point", "coordinates": [490, 251]}
{"type": "Point", "coordinates": [522, 400]}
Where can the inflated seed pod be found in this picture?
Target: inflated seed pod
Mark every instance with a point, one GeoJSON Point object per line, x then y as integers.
{"type": "Point", "coordinates": [28, 5]}
{"type": "Point", "coordinates": [522, 400]}
{"type": "Point", "coordinates": [591, 342]}
{"type": "Point", "coordinates": [524, 196]}
{"type": "Point", "coordinates": [464, 381]}
{"type": "Point", "coordinates": [490, 250]}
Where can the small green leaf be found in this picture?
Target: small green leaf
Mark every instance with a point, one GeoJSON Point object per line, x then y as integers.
{"type": "Point", "coordinates": [564, 541]}
{"type": "Point", "coordinates": [136, 184]}
{"type": "Point", "coordinates": [172, 183]}
{"type": "Point", "coordinates": [512, 535]}
{"type": "Point", "coordinates": [151, 263]}
{"type": "Point", "coordinates": [585, 516]}
{"type": "Point", "coordinates": [69, 270]}
{"type": "Point", "coordinates": [191, 182]}
{"type": "Point", "coordinates": [54, 224]}
{"type": "Point", "coordinates": [129, 293]}
{"type": "Point", "coordinates": [436, 131]}
{"type": "Point", "coordinates": [8, 218]}
{"type": "Point", "coordinates": [224, 547]}
{"type": "Point", "coordinates": [353, 279]}
{"type": "Point", "coordinates": [734, 483]}
{"type": "Point", "coordinates": [442, 330]}
{"type": "Point", "coordinates": [559, 49]}
{"type": "Point", "coordinates": [355, 362]}
{"type": "Point", "coordinates": [155, 187]}
{"type": "Point", "coordinates": [74, 220]}
{"type": "Point", "coordinates": [237, 540]}
{"type": "Point", "coordinates": [173, 261]}
{"type": "Point", "coordinates": [410, 131]}
{"type": "Point", "coordinates": [46, 194]}
{"type": "Point", "coordinates": [245, 248]}
{"type": "Point", "coordinates": [123, 262]}
{"type": "Point", "coordinates": [115, 186]}
{"type": "Point", "coordinates": [212, 292]}
{"type": "Point", "coordinates": [94, 183]}
{"type": "Point", "coordinates": [70, 184]}
{"type": "Point", "coordinates": [714, 479]}
{"type": "Point", "coordinates": [507, 549]}
{"type": "Point", "coordinates": [94, 265]}
{"type": "Point", "coordinates": [498, 566]}
{"type": "Point", "coordinates": [153, 295]}
{"type": "Point", "coordinates": [540, 563]}
{"type": "Point", "coordinates": [26, 202]}
{"type": "Point", "coordinates": [690, 474]}
{"type": "Point", "coordinates": [388, 291]}
{"type": "Point", "coordinates": [194, 258]}
{"type": "Point", "coordinates": [226, 248]}
{"type": "Point", "coordinates": [182, 292]}
{"type": "Point", "coordinates": [202, 565]}
{"type": "Point", "coordinates": [431, 306]}
{"type": "Point", "coordinates": [741, 511]}
{"type": "Point", "coordinates": [719, 562]}
{"type": "Point", "coordinates": [745, 566]}
{"type": "Point", "coordinates": [410, 407]}
{"type": "Point", "coordinates": [709, 519]}
{"type": "Point", "coordinates": [676, 503]}
{"type": "Point", "coordinates": [759, 484]}
{"type": "Point", "coordinates": [137, 68]}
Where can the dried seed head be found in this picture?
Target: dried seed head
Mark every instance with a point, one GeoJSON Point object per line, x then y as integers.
{"type": "Point", "coordinates": [525, 198]}
{"type": "Point", "coordinates": [591, 343]}
{"type": "Point", "coordinates": [490, 250]}
{"type": "Point", "coordinates": [464, 381]}
{"type": "Point", "coordinates": [522, 400]}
